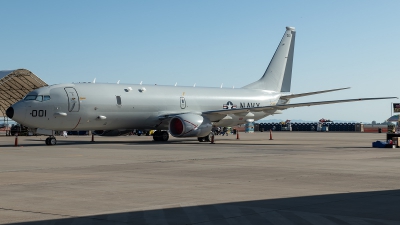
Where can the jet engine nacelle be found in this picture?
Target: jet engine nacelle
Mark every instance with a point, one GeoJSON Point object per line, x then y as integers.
{"type": "Point", "coordinates": [189, 125]}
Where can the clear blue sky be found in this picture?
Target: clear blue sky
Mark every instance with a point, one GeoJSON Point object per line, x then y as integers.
{"type": "Point", "coordinates": [338, 44]}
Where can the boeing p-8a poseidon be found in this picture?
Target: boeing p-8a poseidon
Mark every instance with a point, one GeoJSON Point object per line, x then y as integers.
{"type": "Point", "coordinates": [179, 111]}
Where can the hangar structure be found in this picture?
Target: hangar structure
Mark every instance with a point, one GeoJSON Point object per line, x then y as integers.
{"type": "Point", "coordinates": [15, 85]}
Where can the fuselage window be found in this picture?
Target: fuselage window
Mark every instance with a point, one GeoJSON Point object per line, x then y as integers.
{"type": "Point", "coordinates": [46, 98]}
{"type": "Point", "coordinates": [118, 100]}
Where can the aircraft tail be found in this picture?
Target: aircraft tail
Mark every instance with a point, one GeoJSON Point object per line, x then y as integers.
{"type": "Point", "coordinates": [278, 76]}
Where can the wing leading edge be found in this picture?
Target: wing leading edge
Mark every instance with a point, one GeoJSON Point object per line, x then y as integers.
{"type": "Point", "coordinates": [287, 106]}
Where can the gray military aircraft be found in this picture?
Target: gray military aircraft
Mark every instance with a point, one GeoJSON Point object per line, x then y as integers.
{"type": "Point", "coordinates": [179, 111]}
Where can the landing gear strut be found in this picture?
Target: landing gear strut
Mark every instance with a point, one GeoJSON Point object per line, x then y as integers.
{"type": "Point", "coordinates": [160, 135]}
{"type": "Point", "coordinates": [51, 140]}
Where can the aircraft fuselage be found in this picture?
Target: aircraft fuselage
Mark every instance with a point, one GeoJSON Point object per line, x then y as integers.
{"type": "Point", "coordinates": [93, 106]}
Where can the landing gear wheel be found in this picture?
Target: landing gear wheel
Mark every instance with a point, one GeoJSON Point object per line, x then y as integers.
{"type": "Point", "coordinates": [47, 141]}
{"type": "Point", "coordinates": [201, 139]}
{"type": "Point", "coordinates": [51, 141]}
{"type": "Point", "coordinates": [156, 136]}
{"type": "Point", "coordinates": [160, 136]}
{"type": "Point", "coordinates": [208, 137]}
{"type": "Point", "coordinates": [164, 136]}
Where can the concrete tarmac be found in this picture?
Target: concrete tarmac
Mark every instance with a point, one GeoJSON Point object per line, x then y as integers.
{"type": "Point", "coordinates": [297, 178]}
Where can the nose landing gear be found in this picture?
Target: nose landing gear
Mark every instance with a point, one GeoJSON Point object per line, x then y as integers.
{"type": "Point", "coordinates": [51, 140]}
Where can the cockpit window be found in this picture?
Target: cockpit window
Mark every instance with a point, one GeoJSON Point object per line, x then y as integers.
{"type": "Point", "coordinates": [46, 97]}
{"type": "Point", "coordinates": [35, 97]}
{"type": "Point", "coordinates": [39, 98]}
{"type": "Point", "coordinates": [30, 97]}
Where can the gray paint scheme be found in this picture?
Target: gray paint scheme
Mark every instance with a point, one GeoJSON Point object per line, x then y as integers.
{"type": "Point", "coordinates": [287, 78]}
{"type": "Point", "coordinates": [95, 106]}
{"type": "Point", "coordinates": [138, 109]}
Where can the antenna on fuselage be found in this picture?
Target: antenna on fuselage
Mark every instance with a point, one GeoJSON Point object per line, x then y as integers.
{"type": "Point", "coordinates": [94, 81]}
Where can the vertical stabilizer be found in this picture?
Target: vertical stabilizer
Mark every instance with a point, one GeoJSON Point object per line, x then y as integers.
{"type": "Point", "coordinates": [278, 75]}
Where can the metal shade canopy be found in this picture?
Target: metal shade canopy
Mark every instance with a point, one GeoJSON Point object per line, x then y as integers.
{"type": "Point", "coordinates": [15, 85]}
{"type": "Point", "coordinates": [394, 118]}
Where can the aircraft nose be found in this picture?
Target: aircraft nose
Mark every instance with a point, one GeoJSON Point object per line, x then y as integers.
{"type": "Point", "coordinates": [10, 112]}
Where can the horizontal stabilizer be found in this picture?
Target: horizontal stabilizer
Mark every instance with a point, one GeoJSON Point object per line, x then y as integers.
{"type": "Point", "coordinates": [287, 106]}
{"type": "Point", "coordinates": [290, 96]}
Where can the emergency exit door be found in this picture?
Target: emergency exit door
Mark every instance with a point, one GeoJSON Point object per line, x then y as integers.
{"type": "Point", "coordinates": [183, 103]}
{"type": "Point", "coordinates": [73, 99]}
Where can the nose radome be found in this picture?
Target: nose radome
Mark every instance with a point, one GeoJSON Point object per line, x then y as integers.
{"type": "Point", "coordinates": [10, 112]}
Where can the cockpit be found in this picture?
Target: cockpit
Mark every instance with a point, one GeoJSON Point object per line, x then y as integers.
{"type": "Point", "coordinates": [40, 98]}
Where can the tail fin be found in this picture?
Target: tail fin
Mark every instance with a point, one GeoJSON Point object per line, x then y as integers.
{"type": "Point", "coordinates": [278, 75]}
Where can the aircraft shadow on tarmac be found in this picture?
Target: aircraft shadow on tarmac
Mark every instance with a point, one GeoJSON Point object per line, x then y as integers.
{"type": "Point", "coordinates": [375, 208]}
{"type": "Point", "coordinates": [63, 141]}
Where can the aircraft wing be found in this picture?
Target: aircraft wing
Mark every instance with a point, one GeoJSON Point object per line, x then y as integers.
{"type": "Point", "coordinates": [287, 106]}
{"type": "Point", "coordinates": [290, 96]}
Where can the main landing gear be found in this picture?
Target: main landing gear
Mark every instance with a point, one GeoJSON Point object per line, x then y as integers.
{"type": "Point", "coordinates": [51, 140]}
{"type": "Point", "coordinates": [206, 138]}
{"type": "Point", "coordinates": [160, 135]}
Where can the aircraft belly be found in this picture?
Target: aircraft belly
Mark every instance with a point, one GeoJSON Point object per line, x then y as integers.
{"type": "Point", "coordinates": [117, 120]}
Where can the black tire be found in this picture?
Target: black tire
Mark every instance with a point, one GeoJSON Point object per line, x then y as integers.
{"type": "Point", "coordinates": [208, 137]}
{"type": "Point", "coordinates": [156, 136]}
{"type": "Point", "coordinates": [47, 141]}
{"type": "Point", "coordinates": [201, 139]}
{"type": "Point", "coordinates": [52, 141]}
{"type": "Point", "coordinates": [164, 136]}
